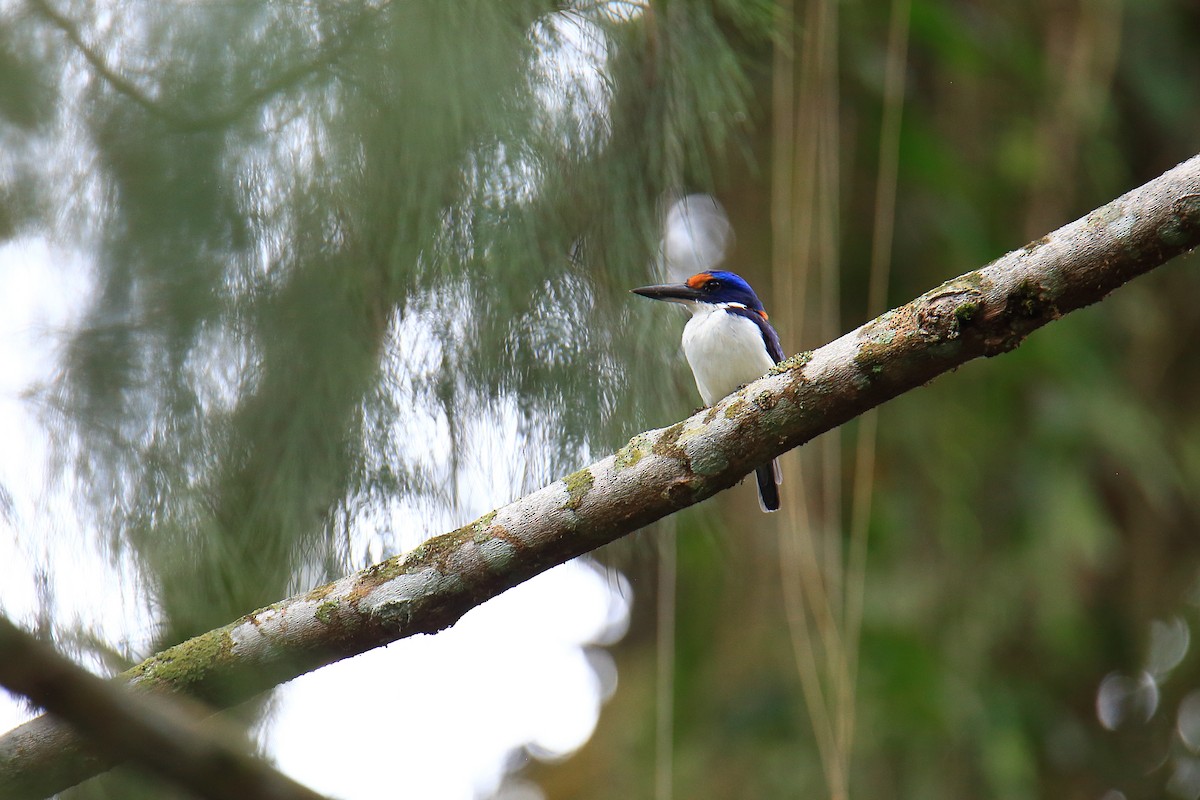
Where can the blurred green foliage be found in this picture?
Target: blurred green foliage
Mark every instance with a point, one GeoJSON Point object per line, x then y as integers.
{"type": "Point", "coordinates": [1033, 515]}
{"type": "Point", "coordinates": [323, 236]}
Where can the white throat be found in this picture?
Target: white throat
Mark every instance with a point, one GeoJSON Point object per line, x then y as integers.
{"type": "Point", "coordinates": [724, 350]}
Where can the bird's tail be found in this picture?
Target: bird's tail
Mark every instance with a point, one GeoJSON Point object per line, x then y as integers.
{"type": "Point", "coordinates": [768, 486]}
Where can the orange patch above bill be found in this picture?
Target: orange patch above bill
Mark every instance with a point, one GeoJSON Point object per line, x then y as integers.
{"type": "Point", "coordinates": [698, 280]}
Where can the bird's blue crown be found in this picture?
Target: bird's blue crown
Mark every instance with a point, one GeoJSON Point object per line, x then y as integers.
{"type": "Point", "coordinates": [719, 286]}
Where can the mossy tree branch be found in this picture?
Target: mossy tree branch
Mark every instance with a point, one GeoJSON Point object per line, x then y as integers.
{"type": "Point", "coordinates": [982, 313]}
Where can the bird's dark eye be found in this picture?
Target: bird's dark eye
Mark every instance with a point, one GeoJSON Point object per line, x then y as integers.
{"type": "Point", "coordinates": [712, 285]}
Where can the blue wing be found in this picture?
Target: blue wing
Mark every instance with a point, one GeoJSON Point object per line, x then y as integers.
{"type": "Point", "coordinates": [768, 474]}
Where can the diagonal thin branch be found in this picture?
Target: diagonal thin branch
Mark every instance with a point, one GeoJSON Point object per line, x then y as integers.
{"type": "Point", "coordinates": [324, 57]}
{"type": "Point", "coordinates": [117, 81]}
{"type": "Point", "coordinates": [120, 723]}
{"type": "Point", "coordinates": [982, 313]}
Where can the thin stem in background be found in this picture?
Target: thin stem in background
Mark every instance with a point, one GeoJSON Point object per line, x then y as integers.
{"type": "Point", "coordinates": [827, 123]}
{"type": "Point", "coordinates": [877, 288]}
{"type": "Point", "coordinates": [664, 733]}
{"type": "Point", "coordinates": [796, 212]}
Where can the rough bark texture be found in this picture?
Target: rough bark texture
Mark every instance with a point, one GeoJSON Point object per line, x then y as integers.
{"type": "Point", "coordinates": [982, 313]}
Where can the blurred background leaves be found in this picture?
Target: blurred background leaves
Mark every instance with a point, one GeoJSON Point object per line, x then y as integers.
{"type": "Point", "coordinates": [326, 241]}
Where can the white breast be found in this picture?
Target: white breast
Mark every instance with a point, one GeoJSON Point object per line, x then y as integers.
{"type": "Point", "coordinates": [724, 351]}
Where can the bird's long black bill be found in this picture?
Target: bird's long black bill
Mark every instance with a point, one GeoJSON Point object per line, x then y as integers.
{"type": "Point", "coordinates": [768, 486]}
{"type": "Point", "coordinates": [676, 292]}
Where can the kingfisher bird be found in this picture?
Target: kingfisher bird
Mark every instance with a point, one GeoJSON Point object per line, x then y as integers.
{"type": "Point", "coordinates": [728, 343]}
